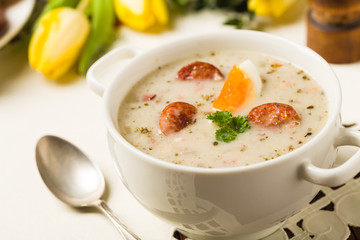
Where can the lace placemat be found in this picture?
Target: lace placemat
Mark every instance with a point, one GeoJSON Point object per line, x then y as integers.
{"type": "Point", "coordinates": [334, 214]}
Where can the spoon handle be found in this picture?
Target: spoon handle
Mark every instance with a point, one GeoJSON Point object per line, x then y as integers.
{"type": "Point", "coordinates": [125, 232]}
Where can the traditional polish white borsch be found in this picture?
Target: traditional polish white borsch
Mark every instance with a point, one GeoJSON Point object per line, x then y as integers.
{"type": "Point", "coordinates": [186, 117]}
{"type": "Point", "coordinates": [223, 109]}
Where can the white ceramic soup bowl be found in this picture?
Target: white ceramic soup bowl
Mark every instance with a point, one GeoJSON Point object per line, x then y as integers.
{"type": "Point", "coordinates": [241, 202]}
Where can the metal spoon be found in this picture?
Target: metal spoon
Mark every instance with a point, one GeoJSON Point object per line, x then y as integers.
{"type": "Point", "coordinates": [73, 178]}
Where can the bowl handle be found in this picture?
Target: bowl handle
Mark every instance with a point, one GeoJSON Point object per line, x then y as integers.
{"type": "Point", "coordinates": [335, 176]}
{"type": "Point", "coordinates": [110, 62]}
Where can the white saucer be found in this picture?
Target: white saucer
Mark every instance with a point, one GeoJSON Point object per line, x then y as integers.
{"type": "Point", "coordinates": [16, 16]}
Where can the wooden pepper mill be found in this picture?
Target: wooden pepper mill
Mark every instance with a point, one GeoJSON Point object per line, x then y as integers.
{"type": "Point", "coordinates": [333, 29]}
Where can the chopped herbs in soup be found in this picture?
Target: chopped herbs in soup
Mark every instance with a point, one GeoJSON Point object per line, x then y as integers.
{"type": "Point", "coordinates": [223, 109]}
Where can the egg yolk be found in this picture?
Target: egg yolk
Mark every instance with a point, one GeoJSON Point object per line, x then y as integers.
{"type": "Point", "coordinates": [237, 91]}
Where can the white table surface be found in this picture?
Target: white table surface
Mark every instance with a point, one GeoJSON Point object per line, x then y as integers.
{"type": "Point", "coordinates": [31, 107]}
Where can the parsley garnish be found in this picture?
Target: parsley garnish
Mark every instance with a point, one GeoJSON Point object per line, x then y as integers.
{"type": "Point", "coordinates": [230, 126]}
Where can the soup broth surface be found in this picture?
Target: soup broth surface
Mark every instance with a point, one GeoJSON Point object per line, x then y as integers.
{"type": "Point", "coordinates": [196, 145]}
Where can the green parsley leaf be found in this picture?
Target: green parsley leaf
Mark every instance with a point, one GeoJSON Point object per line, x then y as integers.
{"type": "Point", "coordinates": [225, 134]}
{"type": "Point", "coordinates": [239, 124]}
{"type": "Point", "coordinates": [230, 126]}
{"type": "Point", "coordinates": [222, 119]}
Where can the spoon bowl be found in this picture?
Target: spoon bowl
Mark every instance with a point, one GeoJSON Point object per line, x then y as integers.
{"type": "Point", "coordinates": [73, 178]}
{"type": "Point", "coordinates": [68, 173]}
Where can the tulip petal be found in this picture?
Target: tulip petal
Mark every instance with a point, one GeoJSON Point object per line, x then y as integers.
{"type": "Point", "coordinates": [270, 8]}
{"type": "Point", "coordinates": [57, 42]}
{"type": "Point", "coordinates": [153, 14]}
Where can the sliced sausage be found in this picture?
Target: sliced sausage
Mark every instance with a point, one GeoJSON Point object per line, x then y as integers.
{"type": "Point", "coordinates": [176, 116]}
{"type": "Point", "coordinates": [199, 71]}
{"type": "Point", "coordinates": [274, 115]}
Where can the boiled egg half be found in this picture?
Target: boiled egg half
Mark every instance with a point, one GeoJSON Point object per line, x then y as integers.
{"type": "Point", "coordinates": [242, 85]}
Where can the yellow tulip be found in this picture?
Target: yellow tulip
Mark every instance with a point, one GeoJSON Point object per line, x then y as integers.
{"type": "Point", "coordinates": [270, 8]}
{"type": "Point", "coordinates": [142, 15]}
{"type": "Point", "coordinates": [57, 41]}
